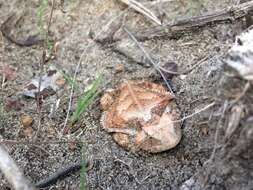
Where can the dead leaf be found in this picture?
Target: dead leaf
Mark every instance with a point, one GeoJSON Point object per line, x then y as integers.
{"type": "Point", "coordinates": [9, 73]}
{"type": "Point", "coordinates": [26, 120]}
{"type": "Point", "coordinates": [13, 104]}
{"type": "Point", "coordinates": [50, 84]}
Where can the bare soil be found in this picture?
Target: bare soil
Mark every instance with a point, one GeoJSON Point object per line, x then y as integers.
{"type": "Point", "coordinates": [114, 167]}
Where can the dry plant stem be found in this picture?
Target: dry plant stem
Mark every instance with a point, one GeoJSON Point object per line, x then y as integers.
{"type": "Point", "coordinates": [39, 102]}
{"type": "Point", "coordinates": [78, 66]}
{"type": "Point", "coordinates": [195, 113]}
{"type": "Point", "coordinates": [183, 25]}
{"type": "Point", "coordinates": [3, 83]}
{"type": "Point", "coordinates": [2, 58]}
{"type": "Point", "coordinates": [245, 89]}
{"type": "Point", "coordinates": [14, 142]}
{"type": "Point", "coordinates": [219, 126]}
{"type": "Point", "coordinates": [149, 58]}
{"type": "Point", "coordinates": [43, 61]}
{"type": "Point", "coordinates": [157, 2]}
{"type": "Point", "coordinates": [12, 173]}
{"type": "Point", "coordinates": [143, 10]}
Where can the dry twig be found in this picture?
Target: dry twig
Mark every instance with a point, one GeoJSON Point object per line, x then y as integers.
{"type": "Point", "coordinates": [180, 120]}
{"type": "Point", "coordinates": [183, 25]}
{"type": "Point", "coordinates": [41, 66]}
{"type": "Point", "coordinates": [143, 10]}
{"type": "Point", "coordinates": [149, 58]}
{"type": "Point", "coordinates": [15, 142]}
{"type": "Point", "coordinates": [217, 132]}
{"type": "Point", "coordinates": [156, 2]}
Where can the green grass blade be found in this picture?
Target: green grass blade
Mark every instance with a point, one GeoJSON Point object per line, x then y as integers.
{"type": "Point", "coordinates": [70, 80]}
{"type": "Point", "coordinates": [42, 31]}
{"type": "Point", "coordinates": [86, 99]}
{"type": "Point", "coordinates": [83, 174]}
{"type": "Point", "coordinates": [40, 14]}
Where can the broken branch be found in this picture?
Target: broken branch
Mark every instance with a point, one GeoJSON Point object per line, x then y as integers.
{"type": "Point", "coordinates": [143, 10]}
{"type": "Point", "coordinates": [182, 25]}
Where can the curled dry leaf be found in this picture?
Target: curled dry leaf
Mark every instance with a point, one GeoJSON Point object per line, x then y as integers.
{"type": "Point", "coordinates": [140, 115]}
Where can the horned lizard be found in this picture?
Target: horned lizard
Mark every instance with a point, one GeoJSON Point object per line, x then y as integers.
{"type": "Point", "coordinates": [141, 115]}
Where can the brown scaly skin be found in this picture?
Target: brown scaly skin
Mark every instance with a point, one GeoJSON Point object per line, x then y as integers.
{"type": "Point", "coordinates": [139, 115]}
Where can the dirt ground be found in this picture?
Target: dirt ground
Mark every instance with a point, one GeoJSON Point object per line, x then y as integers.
{"type": "Point", "coordinates": [114, 167]}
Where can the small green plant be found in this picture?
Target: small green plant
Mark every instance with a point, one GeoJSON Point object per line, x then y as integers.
{"type": "Point", "coordinates": [86, 99]}
{"type": "Point", "coordinates": [41, 12]}
{"type": "Point", "coordinates": [42, 31]}
{"type": "Point", "coordinates": [83, 172]}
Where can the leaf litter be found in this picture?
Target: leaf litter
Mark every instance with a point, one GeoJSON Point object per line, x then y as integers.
{"type": "Point", "coordinates": [51, 83]}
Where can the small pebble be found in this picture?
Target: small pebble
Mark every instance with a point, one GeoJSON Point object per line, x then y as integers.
{"type": "Point", "coordinates": [26, 120]}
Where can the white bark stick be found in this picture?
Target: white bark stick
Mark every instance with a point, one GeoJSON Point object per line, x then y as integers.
{"type": "Point", "coordinates": [12, 173]}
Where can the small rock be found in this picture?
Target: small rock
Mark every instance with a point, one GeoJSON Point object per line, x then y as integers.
{"type": "Point", "coordinates": [26, 120]}
{"type": "Point", "coordinates": [170, 67]}
{"type": "Point", "coordinates": [119, 68]}
{"type": "Point", "coordinates": [28, 131]}
{"type": "Point", "coordinates": [72, 146]}
{"type": "Point", "coordinates": [60, 82]}
{"type": "Point", "coordinates": [204, 131]}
